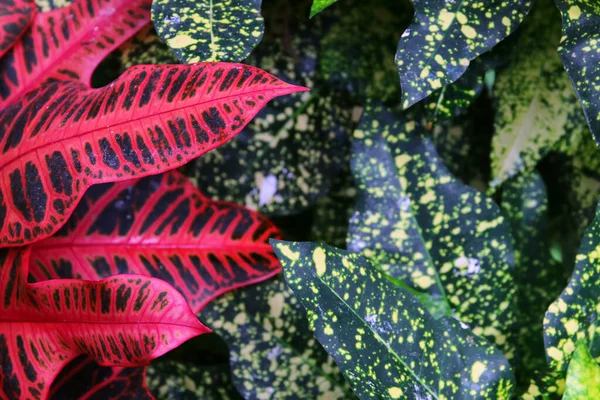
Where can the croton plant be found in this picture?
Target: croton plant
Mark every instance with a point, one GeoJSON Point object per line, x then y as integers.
{"type": "Point", "coordinates": [312, 199]}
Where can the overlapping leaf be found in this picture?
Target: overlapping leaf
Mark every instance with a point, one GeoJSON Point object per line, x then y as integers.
{"type": "Point", "coordinates": [209, 30]}
{"type": "Point", "coordinates": [15, 17]}
{"type": "Point", "coordinates": [536, 105]}
{"type": "Point", "coordinates": [272, 351]}
{"type": "Point", "coordinates": [121, 321]}
{"type": "Point", "coordinates": [583, 376]}
{"type": "Point", "coordinates": [419, 224]}
{"type": "Point", "coordinates": [64, 137]}
{"type": "Point", "coordinates": [445, 37]}
{"type": "Point", "coordinates": [579, 50]}
{"type": "Point", "coordinates": [68, 43]}
{"type": "Point", "coordinates": [385, 342]}
{"type": "Point", "coordinates": [573, 316]}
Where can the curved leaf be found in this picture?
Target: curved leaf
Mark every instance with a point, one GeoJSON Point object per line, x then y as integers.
{"type": "Point", "coordinates": [209, 30]}
{"type": "Point", "coordinates": [122, 321]}
{"type": "Point", "coordinates": [385, 342]}
{"type": "Point", "coordinates": [272, 350]}
{"type": "Point", "coordinates": [583, 376]}
{"type": "Point", "coordinates": [415, 222]}
{"type": "Point", "coordinates": [446, 36]}
{"type": "Point", "coordinates": [163, 227]}
{"type": "Point", "coordinates": [580, 54]}
{"type": "Point", "coordinates": [573, 316]}
{"type": "Point", "coordinates": [68, 43]}
{"type": "Point", "coordinates": [320, 5]}
{"type": "Point", "coordinates": [15, 17]}
{"type": "Point", "coordinates": [64, 137]}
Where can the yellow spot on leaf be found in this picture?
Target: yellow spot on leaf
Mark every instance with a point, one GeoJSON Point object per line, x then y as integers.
{"type": "Point", "coordinates": [181, 41]}
{"type": "Point", "coordinates": [574, 12]}
{"type": "Point", "coordinates": [468, 31]}
{"type": "Point", "coordinates": [395, 392]}
{"type": "Point", "coordinates": [319, 259]}
{"type": "Point", "coordinates": [477, 370]}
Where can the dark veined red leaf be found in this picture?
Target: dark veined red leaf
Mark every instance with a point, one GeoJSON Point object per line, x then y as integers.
{"type": "Point", "coordinates": [122, 321]}
{"type": "Point", "coordinates": [15, 17]}
{"type": "Point", "coordinates": [68, 43]}
{"type": "Point", "coordinates": [64, 137]}
{"type": "Point", "coordinates": [161, 226]}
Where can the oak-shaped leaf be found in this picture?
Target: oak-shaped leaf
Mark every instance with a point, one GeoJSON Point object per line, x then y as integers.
{"type": "Point", "coordinates": [64, 137]}
{"type": "Point", "coordinates": [121, 321]}
{"type": "Point", "coordinates": [15, 17]}
{"type": "Point", "coordinates": [272, 350]}
{"type": "Point", "coordinates": [68, 43]}
{"type": "Point", "coordinates": [419, 224]}
{"type": "Point", "coordinates": [444, 37]}
{"type": "Point", "coordinates": [209, 30]}
{"type": "Point", "coordinates": [583, 375]}
{"type": "Point", "coordinates": [382, 338]}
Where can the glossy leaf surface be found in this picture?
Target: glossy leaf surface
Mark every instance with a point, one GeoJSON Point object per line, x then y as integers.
{"type": "Point", "coordinates": [122, 321]}
{"type": "Point", "coordinates": [160, 226]}
{"type": "Point", "coordinates": [68, 43]}
{"type": "Point", "coordinates": [64, 137]}
{"type": "Point", "coordinates": [209, 30]}
{"type": "Point", "coordinates": [445, 37]}
{"type": "Point", "coordinates": [419, 224]}
{"type": "Point", "coordinates": [15, 17]}
{"type": "Point", "coordinates": [583, 376]}
{"type": "Point", "coordinates": [320, 5]}
{"type": "Point", "coordinates": [382, 338]}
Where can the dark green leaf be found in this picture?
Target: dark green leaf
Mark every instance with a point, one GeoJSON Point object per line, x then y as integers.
{"type": "Point", "coordinates": [385, 342]}
{"type": "Point", "coordinates": [209, 30]}
{"type": "Point", "coordinates": [445, 36]}
{"type": "Point", "coordinates": [583, 376]}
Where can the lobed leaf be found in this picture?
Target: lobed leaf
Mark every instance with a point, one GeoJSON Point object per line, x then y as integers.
{"type": "Point", "coordinates": [444, 37]}
{"type": "Point", "coordinates": [382, 338]}
{"type": "Point", "coordinates": [15, 17]}
{"type": "Point", "coordinates": [121, 321]}
{"type": "Point", "coordinates": [583, 376]}
{"type": "Point", "coordinates": [209, 30]}
{"type": "Point", "coordinates": [65, 137]}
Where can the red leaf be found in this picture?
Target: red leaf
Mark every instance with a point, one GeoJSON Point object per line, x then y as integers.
{"type": "Point", "coordinates": [68, 43]}
{"type": "Point", "coordinates": [65, 137]}
{"type": "Point", "coordinates": [123, 321]}
{"type": "Point", "coordinates": [15, 17]}
{"type": "Point", "coordinates": [161, 226]}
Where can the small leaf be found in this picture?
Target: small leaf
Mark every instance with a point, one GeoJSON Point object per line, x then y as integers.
{"type": "Point", "coordinates": [320, 5]}
{"type": "Point", "coordinates": [381, 337]}
{"type": "Point", "coordinates": [15, 17]}
{"type": "Point", "coordinates": [583, 376]}
{"type": "Point", "coordinates": [445, 37]}
{"type": "Point", "coordinates": [120, 321]}
{"type": "Point", "coordinates": [209, 30]}
{"type": "Point", "coordinates": [272, 350]}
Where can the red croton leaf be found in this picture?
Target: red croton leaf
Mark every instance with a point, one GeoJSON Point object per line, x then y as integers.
{"type": "Point", "coordinates": [64, 137]}
{"type": "Point", "coordinates": [15, 17]}
{"type": "Point", "coordinates": [123, 321]}
{"type": "Point", "coordinates": [161, 226]}
{"type": "Point", "coordinates": [68, 43]}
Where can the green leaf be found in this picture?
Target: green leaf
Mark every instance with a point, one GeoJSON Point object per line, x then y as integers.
{"type": "Point", "coordinates": [320, 5]}
{"type": "Point", "coordinates": [209, 30]}
{"type": "Point", "coordinates": [383, 339]}
{"type": "Point", "coordinates": [146, 47]}
{"type": "Point", "coordinates": [536, 102]}
{"type": "Point", "coordinates": [445, 36]}
{"type": "Point", "coordinates": [415, 222]}
{"type": "Point", "coordinates": [573, 316]}
{"type": "Point", "coordinates": [580, 52]}
{"type": "Point", "coordinates": [272, 350]}
{"type": "Point", "coordinates": [583, 376]}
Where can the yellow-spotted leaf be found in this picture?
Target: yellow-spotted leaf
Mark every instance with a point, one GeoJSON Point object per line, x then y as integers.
{"type": "Point", "coordinates": [419, 224]}
{"type": "Point", "coordinates": [583, 376]}
{"type": "Point", "coordinates": [574, 315]}
{"type": "Point", "coordinates": [536, 102]}
{"type": "Point", "coordinates": [445, 36]}
{"type": "Point", "coordinates": [273, 353]}
{"type": "Point", "coordinates": [209, 30]}
{"type": "Point", "coordinates": [385, 342]}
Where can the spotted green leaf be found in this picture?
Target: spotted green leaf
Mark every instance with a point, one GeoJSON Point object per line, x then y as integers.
{"type": "Point", "coordinates": [146, 47]}
{"type": "Point", "coordinates": [209, 30]}
{"type": "Point", "coordinates": [272, 350]}
{"type": "Point", "coordinates": [384, 341]}
{"type": "Point", "coordinates": [536, 102]}
{"type": "Point", "coordinates": [579, 50]}
{"type": "Point", "coordinates": [573, 316]}
{"type": "Point", "coordinates": [419, 224]}
{"type": "Point", "coordinates": [320, 5]}
{"type": "Point", "coordinates": [171, 380]}
{"type": "Point", "coordinates": [583, 376]}
{"type": "Point", "coordinates": [445, 36]}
